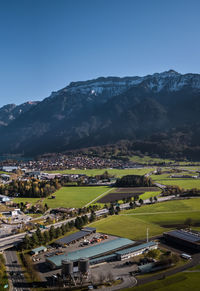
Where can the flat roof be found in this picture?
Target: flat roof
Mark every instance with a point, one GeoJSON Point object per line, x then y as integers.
{"type": "Point", "coordinates": [92, 252]}
{"type": "Point", "coordinates": [113, 256]}
{"type": "Point", "coordinates": [39, 249]}
{"type": "Point", "coordinates": [72, 237]}
{"type": "Point", "coordinates": [75, 236]}
{"type": "Point", "coordinates": [90, 229]}
{"type": "Point", "coordinates": [185, 235]}
{"type": "Point", "coordinates": [136, 248]}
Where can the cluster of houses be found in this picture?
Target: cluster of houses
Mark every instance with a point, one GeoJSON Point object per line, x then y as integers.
{"type": "Point", "coordinates": [62, 162]}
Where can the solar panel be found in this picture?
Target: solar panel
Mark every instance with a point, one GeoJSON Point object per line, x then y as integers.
{"type": "Point", "coordinates": [72, 237]}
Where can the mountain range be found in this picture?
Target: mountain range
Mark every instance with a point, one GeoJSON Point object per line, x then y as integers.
{"type": "Point", "coordinates": [158, 109]}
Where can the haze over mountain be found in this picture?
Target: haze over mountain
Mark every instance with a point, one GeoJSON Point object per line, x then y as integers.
{"type": "Point", "coordinates": [107, 110]}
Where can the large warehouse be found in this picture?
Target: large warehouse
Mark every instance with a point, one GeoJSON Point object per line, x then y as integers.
{"type": "Point", "coordinates": [91, 252]}
{"type": "Point", "coordinates": [189, 239]}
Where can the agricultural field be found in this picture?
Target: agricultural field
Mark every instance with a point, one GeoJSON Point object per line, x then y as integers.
{"type": "Point", "coordinates": [189, 280]}
{"type": "Point", "coordinates": [114, 172]}
{"type": "Point", "coordinates": [69, 197]}
{"type": "Point", "coordinates": [119, 194]}
{"type": "Point", "coordinates": [157, 217]}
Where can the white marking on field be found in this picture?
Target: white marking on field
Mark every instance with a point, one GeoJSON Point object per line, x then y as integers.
{"type": "Point", "coordinates": [97, 198]}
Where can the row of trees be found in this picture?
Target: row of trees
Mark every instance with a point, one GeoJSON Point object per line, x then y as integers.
{"type": "Point", "coordinates": [30, 188]}
{"type": "Point", "coordinates": [38, 237]}
{"type": "Point", "coordinates": [134, 181]}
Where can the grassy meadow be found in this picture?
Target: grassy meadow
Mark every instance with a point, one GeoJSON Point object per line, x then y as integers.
{"type": "Point", "coordinates": [185, 183]}
{"type": "Point", "coordinates": [69, 197]}
{"type": "Point", "coordinates": [158, 218]}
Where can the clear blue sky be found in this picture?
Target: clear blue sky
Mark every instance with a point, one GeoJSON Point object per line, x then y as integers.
{"type": "Point", "coordinates": [45, 44]}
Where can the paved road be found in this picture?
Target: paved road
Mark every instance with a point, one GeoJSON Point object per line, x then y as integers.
{"type": "Point", "coordinates": [15, 273]}
{"type": "Point", "coordinates": [195, 261]}
{"type": "Point", "coordinates": [127, 282]}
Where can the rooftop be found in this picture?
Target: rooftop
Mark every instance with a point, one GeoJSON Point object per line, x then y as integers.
{"type": "Point", "coordinates": [189, 236]}
{"type": "Point", "coordinates": [93, 251]}
{"type": "Point", "coordinates": [136, 248]}
{"type": "Point", "coordinates": [39, 249]}
{"type": "Point", "coordinates": [74, 236]}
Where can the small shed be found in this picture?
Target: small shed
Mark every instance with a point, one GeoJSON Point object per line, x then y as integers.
{"type": "Point", "coordinates": [38, 250]}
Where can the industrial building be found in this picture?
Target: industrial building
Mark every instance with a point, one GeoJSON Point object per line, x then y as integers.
{"type": "Point", "coordinates": [189, 239]}
{"type": "Point", "coordinates": [75, 236]}
{"type": "Point", "coordinates": [38, 250]}
{"type": "Point", "coordinates": [92, 252]}
{"type": "Point", "coordinates": [136, 250]}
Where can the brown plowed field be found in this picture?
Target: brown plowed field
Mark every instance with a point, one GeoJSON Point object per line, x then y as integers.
{"type": "Point", "coordinates": [121, 193]}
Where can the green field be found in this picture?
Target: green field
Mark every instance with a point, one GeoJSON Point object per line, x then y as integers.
{"type": "Point", "coordinates": [149, 160]}
{"type": "Point", "coordinates": [188, 280]}
{"type": "Point", "coordinates": [158, 218]}
{"type": "Point", "coordinates": [185, 183]}
{"type": "Point", "coordinates": [148, 195]}
{"type": "Point", "coordinates": [69, 197]}
{"type": "Point", "coordinates": [186, 205]}
{"type": "Point", "coordinates": [114, 172]}
{"type": "Point", "coordinates": [127, 226]}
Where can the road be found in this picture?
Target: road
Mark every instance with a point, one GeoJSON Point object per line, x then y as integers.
{"type": "Point", "coordinates": [13, 240]}
{"type": "Point", "coordinates": [192, 263]}
{"type": "Point", "coordinates": [15, 273]}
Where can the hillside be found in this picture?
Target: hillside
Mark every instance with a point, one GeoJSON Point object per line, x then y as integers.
{"type": "Point", "coordinates": [158, 113]}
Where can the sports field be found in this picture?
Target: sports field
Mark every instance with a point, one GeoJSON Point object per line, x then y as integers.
{"type": "Point", "coordinates": [114, 172]}
{"type": "Point", "coordinates": [158, 218]}
{"type": "Point", "coordinates": [188, 280]}
{"type": "Point", "coordinates": [69, 197]}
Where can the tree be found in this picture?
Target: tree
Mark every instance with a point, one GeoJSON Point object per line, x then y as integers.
{"type": "Point", "coordinates": [153, 254]}
{"type": "Point", "coordinates": [27, 242]}
{"type": "Point", "coordinates": [111, 210]}
{"type": "Point", "coordinates": [188, 222]}
{"type": "Point", "coordinates": [46, 237]}
{"type": "Point", "coordinates": [58, 232]}
{"type": "Point", "coordinates": [34, 239]}
{"type": "Point", "coordinates": [39, 235]}
{"type": "Point", "coordinates": [155, 199]}
{"type": "Point", "coordinates": [52, 232]}
{"type": "Point", "coordinates": [92, 217]}
{"type": "Point", "coordinates": [141, 201]}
